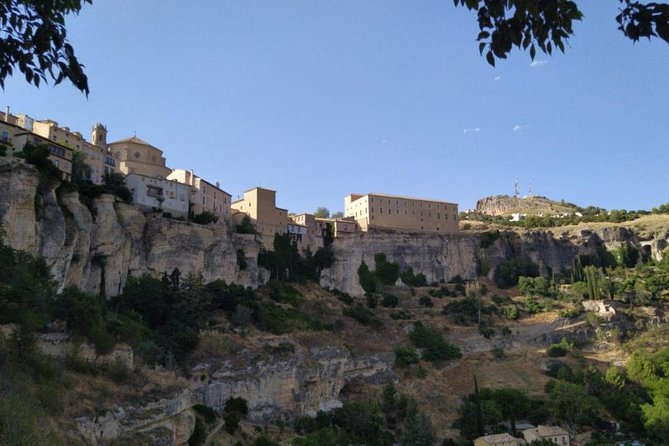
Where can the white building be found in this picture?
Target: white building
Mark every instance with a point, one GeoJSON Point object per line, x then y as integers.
{"type": "Point", "coordinates": [158, 193]}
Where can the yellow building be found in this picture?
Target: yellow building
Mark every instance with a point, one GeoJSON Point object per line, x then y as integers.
{"type": "Point", "coordinates": [403, 214]}
{"type": "Point", "coordinates": [140, 157]}
{"type": "Point", "coordinates": [260, 205]}
{"type": "Point", "coordinates": [499, 440]}
{"type": "Point", "coordinates": [204, 195]}
{"type": "Point", "coordinates": [16, 130]}
{"type": "Point", "coordinates": [96, 154]}
{"type": "Point", "coordinates": [554, 434]}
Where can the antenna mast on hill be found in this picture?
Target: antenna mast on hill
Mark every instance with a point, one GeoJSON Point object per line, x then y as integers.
{"type": "Point", "coordinates": [529, 190]}
{"type": "Point", "coordinates": [516, 189]}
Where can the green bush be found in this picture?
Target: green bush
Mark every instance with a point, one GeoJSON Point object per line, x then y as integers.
{"type": "Point", "coordinates": [561, 349]}
{"type": "Point", "coordinates": [435, 347]}
{"type": "Point", "coordinates": [511, 312]}
{"type": "Point", "coordinates": [205, 218]}
{"type": "Point", "coordinates": [366, 278]}
{"type": "Point", "coordinates": [362, 315]}
{"type": "Point", "coordinates": [487, 238]}
{"type": "Point", "coordinates": [386, 272]}
{"type": "Point", "coordinates": [390, 301]}
{"type": "Point", "coordinates": [246, 226]}
{"type": "Point", "coordinates": [425, 301]}
{"type": "Point", "coordinates": [410, 279]}
{"type": "Point", "coordinates": [406, 356]}
{"type": "Point", "coordinates": [507, 272]}
{"type": "Point", "coordinates": [281, 320]}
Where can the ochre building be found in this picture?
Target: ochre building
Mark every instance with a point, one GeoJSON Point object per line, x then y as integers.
{"type": "Point", "coordinates": [260, 205]}
{"type": "Point", "coordinates": [140, 157]}
{"type": "Point", "coordinates": [403, 214]}
{"type": "Point", "coordinates": [204, 195]}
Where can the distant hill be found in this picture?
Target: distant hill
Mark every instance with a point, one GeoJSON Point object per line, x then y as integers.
{"type": "Point", "coordinates": [535, 205]}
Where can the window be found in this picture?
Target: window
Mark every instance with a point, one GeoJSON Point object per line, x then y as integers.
{"type": "Point", "coordinates": [110, 161]}
{"type": "Point", "coordinates": [153, 191]}
{"type": "Point", "coordinates": [58, 151]}
{"type": "Point", "coordinates": [5, 135]}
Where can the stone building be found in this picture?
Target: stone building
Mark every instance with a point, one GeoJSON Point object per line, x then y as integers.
{"type": "Point", "coordinates": [499, 440]}
{"type": "Point", "coordinates": [96, 154]}
{"type": "Point", "coordinates": [159, 194]}
{"type": "Point", "coordinates": [18, 130]}
{"type": "Point", "coordinates": [204, 195]}
{"type": "Point", "coordinates": [140, 157]}
{"type": "Point", "coordinates": [260, 205]}
{"type": "Point", "coordinates": [403, 214]}
{"type": "Point", "coordinates": [555, 434]}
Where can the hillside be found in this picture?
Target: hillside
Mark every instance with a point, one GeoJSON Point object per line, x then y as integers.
{"type": "Point", "coordinates": [120, 327]}
{"type": "Point", "coordinates": [506, 205]}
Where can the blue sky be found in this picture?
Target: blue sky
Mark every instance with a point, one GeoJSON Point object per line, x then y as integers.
{"type": "Point", "coordinates": [318, 99]}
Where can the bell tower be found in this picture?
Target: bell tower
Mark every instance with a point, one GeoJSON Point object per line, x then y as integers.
{"type": "Point", "coordinates": [99, 136]}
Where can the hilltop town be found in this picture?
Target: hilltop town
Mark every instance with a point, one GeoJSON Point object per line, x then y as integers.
{"type": "Point", "coordinates": [181, 194]}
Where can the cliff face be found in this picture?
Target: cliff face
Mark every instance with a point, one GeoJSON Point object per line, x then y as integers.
{"type": "Point", "coordinates": [440, 258]}
{"type": "Point", "coordinates": [276, 387]}
{"type": "Point", "coordinates": [98, 249]}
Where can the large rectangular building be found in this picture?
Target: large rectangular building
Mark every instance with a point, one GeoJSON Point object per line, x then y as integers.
{"type": "Point", "coordinates": [159, 194]}
{"type": "Point", "coordinates": [260, 205]}
{"type": "Point", "coordinates": [204, 195]}
{"type": "Point", "coordinates": [402, 214]}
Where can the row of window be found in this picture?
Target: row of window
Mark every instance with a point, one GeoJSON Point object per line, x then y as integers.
{"type": "Point", "coordinates": [409, 203]}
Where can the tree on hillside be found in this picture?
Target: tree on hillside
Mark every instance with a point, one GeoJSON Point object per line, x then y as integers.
{"type": "Point", "coordinates": [33, 39]}
{"type": "Point", "coordinates": [338, 214]}
{"type": "Point", "coordinates": [322, 212]}
{"type": "Point", "coordinates": [546, 25]}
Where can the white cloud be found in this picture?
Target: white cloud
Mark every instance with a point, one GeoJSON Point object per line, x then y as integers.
{"type": "Point", "coordinates": [383, 141]}
{"type": "Point", "coordinates": [519, 127]}
{"type": "Point", "coordinates": [472, 130]}
{"type": "Point", "coordinates": [498, 78]}
{"type": "Point", "coordinates": [538, 63]}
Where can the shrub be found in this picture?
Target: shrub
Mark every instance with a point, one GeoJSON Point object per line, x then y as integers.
{"type": "Point", "coordinates": [561, 349]}
{"type": "Point", "coordinates": [390, 301]}
{"type": "Point", "coordinates": [434, 345]}
{"type": "Point", "coordinates": [343, 297]}
{"type": "Point", "coordinates": [418, 280]}
{"type": "Point", "coordinates": [366, 278]}
{"type": "Point", "coordinates": [386, 272]}
{"type": "Point", "coordinates": [507, 273]}
{"type": "Point", "coordinates": [205, 218]}
{"type": "Point", "coordinates": [487, 238]}
{"type": "Point", "coordinates": [362, 315]}
{"type": "Point", "coordinates": [246, 226]}
{"type": "Point", "coordinates": [406, 356]}
{"type": "Point", "coordinates": [511, 312]}
{"type": "Point", "coordinates": [425, 301]}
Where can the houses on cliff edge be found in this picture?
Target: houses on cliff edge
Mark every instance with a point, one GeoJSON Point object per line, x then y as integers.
{"type": "Point", "coordinates": [180, 193]}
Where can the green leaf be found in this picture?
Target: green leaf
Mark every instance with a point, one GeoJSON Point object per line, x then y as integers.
{"type": "Point", "coordinates": [533, 51]}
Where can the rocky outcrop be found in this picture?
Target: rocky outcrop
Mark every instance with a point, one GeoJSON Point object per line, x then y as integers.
{"type": "Point", "coordinates": [166, 421]}
{"type": "Point", "coordinates": [439, 257]}
{"type": "Point", "coordinates": [98, 249]}
{"type": "Point", "coordinates": [276, 387]}
{"type": "Point", "coordinates": [530, 205]}
{"type": "Point", "coordinates": [285, 387]}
